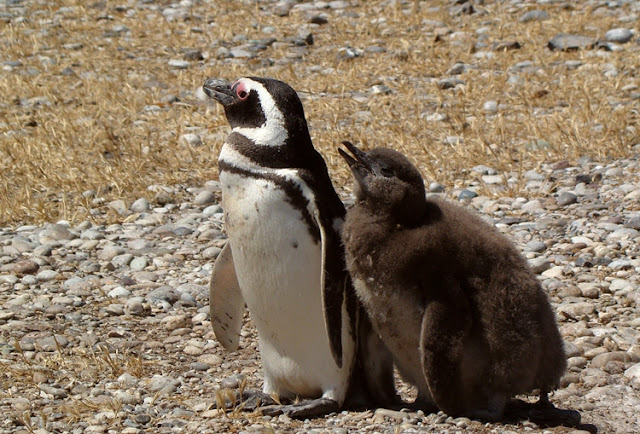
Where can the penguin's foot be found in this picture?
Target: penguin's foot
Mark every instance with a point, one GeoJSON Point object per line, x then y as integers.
{"type": "Point", "coordinates": [543, 413]}
{"type": "Point", "coordinates": [303, 410]}
{"type": "Point", "coordinates": [247, 400]}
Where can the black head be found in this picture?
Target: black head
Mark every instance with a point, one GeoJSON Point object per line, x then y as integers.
{"type": "Point", "coordinates": [253, 102]}
{"type": "Point", "coordinates": [387, 182]}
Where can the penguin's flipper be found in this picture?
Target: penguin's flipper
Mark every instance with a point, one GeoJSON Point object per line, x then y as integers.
{"type": "Point", "coordinates": [226, 304]}
{"type": "Point", "coordinates": [333, 283]}
{"type": "Point", "coordinates": [446, 323]}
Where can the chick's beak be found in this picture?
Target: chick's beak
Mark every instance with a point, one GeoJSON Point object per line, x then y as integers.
{"type": "Point", "coordinates": [359, 163]}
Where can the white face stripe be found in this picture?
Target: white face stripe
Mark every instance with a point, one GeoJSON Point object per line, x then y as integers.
{"type": "Point", "coordinates": [272, 132]}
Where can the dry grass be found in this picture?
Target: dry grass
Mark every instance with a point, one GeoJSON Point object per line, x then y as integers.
{"type": "Point", "coordinates": [61, 135]}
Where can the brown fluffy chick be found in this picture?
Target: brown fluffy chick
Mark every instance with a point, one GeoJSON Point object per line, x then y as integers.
{"type": "Point", "coordinates": [463, 314]}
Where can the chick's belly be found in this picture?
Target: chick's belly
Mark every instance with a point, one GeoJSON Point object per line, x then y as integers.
{"type": "Point", "coordinates": [398, 321]}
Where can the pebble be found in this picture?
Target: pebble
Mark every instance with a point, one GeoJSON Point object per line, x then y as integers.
{"type": "Point", "coordinates": [205, 198]}
{"type": "Point", "coordinates": [192, 139]}
{"type": "Point", "coordinates": [568, 42]}
{"type": "Point", "coordinates": [620, 35]}
{"type": "Point", "coordinates": [566, 198]}
{"type": "Point", "coordinates": [140, 205]}
{"type": "Point", "coordinates": [534, 15]}
{"type": "Point", "coordinates": [179, 64]}
{"type": "Point", "coordinates": [26, 267]}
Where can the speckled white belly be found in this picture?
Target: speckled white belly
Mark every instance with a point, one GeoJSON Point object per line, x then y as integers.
{"type": "Point", "coordinates": [398, 321]}
{"type": "Point", "coordinates": [279, 270]}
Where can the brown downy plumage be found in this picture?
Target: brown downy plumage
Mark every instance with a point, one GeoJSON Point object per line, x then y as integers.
{"type": "Point", "coordinates": [464, 316]}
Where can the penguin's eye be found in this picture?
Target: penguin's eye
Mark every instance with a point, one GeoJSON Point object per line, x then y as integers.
{"type": "Point", "coordinates": [241, 91]}
{"type": "Point", "coordinates": [387, 171]}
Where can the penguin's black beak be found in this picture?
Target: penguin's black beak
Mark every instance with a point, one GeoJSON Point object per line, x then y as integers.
{"type": "Point", "coordinates": [220, 90]}
{"type": "Point", "coordinates": [360, 164]}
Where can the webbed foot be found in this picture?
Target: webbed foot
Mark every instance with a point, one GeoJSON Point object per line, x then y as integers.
{"type": "Point", "coordinates": [245, 400]}
{"type": "Point", "coordinates": [303, 410]}
{"type": "Point", "coordinates": [543, 413]}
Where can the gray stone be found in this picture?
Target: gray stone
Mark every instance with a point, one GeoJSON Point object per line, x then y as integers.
{"type": "Point", "coordinates": [115, 309]}
{"type": "Point", "coordinates": [140, 205]}
{"type": "Point", "coordinates": [539, 265]}
{"type": "Point", "coordinates": [614, 356]}
{"type": "Point", "coordinates": [490, 106]}
{"type": "Point", "coordinates": [467, 194]}
{"type": "Point", "coordinates": [436, 187]}
{"type": "Point", "coordinates": [211, 210]}
{"type": "Point", "coordinates": [211, 252]}
{"type": "Point", "coordinates": [166, 293]}
{"type": "Point", "coordinates": [179, 64]}
{"type": "Point", "coordinates": [47, 275]}
{"type": "Point", "coordinates": [568, 42]}
{"type": "Point", "coordinates": [49, 343]}
{"type": "Point", "coordinates": [533, 206]}
{"type": "Point", "coordinates": [139, 263]}
{"type": "Point", "coordinates": [110, 252]}
{"type": "Point", "coordinates": [119, 292]}
{"type": "Point", "coordinates": [192, 139]}
{"type": "Point", "coordinates": [118, 206]}
{"type": "Point", "coordinates": [205, 197]}
{"type": "Point", "coordinates": [166, 385]}
{"type": "Point", "coordinates": [92, 234]}
{"type": "Point", "coordinates": [535, 246]}
{"type": "Point", "coordinates": [566, 198]}
{"type": "Point", "coordinates": [56, 232]}
{"type": "Point", "coordinates": [633, 372]}
{"type": "Point", "coordinates": [55, 391]}
{"type": "Point", "coordinates": [579, 310]}
{"type": "Point", "coordinates": [26, 267]}
{"type": "Point", "coordinates": [534, 15]}
{"type": "Point", "coordinates": [619, 35]}
{"type": "Point", "coordinates": [122, 260]}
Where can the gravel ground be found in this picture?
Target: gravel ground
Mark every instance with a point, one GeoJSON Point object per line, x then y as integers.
{"type": "Point", "coordinates": [105, 328]}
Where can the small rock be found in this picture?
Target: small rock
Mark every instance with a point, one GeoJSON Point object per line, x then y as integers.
{"type": "Point", "coordinates": [633, 372]}
{"type": "Point", "coordinates": [566, 198]}
{"type": "Point", "coordinates": [159, 383]}
{"type": "Point", "coordinates": [140, 205]}
{"type": "Point", "coordinates": [539, 265]}
{"type": "Point", "coordinates": [192, 139]}
{"type": "Point", "coordinates": [554, 273]}
{"type": "Point", "coordinates": [139, 263]}
{"type": "Point", "coordinates": [166, 293]}
{"type": "Point", "coordinates": [56, 392]}
{"type": "Point", "coordinates": [490, 106]}
{"type": "Point", "coordinates": [179, 64]}
{"type": "Point", "coordinates": [51, 343]}
{"type": "Point", "coordinates": [580, 310]}
{"type": "Point", "coordinates": [205, 197]}
{"type": "Point", "coordinates": [436, 187]}
{"type": "Point", "coordinates": [620, 35]}
{"type": "Point", "coordinates": [118, 206]}
{"type": "Point", "coordinates": [535, 246]}
{"type": "Point", "coordinates": [534, 15]}
{"type": "Point", "coordinates": [614, 356]}
{"type": "Point", "coordinates": [47, 275]}
{"type": "Point", "coordinates": [231, 382]}
{"type": "Point", "coordinates": [467, 194]}
{"type": "Point", "coordinates": [567, 42]}
{"type": "Point", "coordinates": [26, 266]}
{"type": "Point", "coordinates": [119, 292]}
